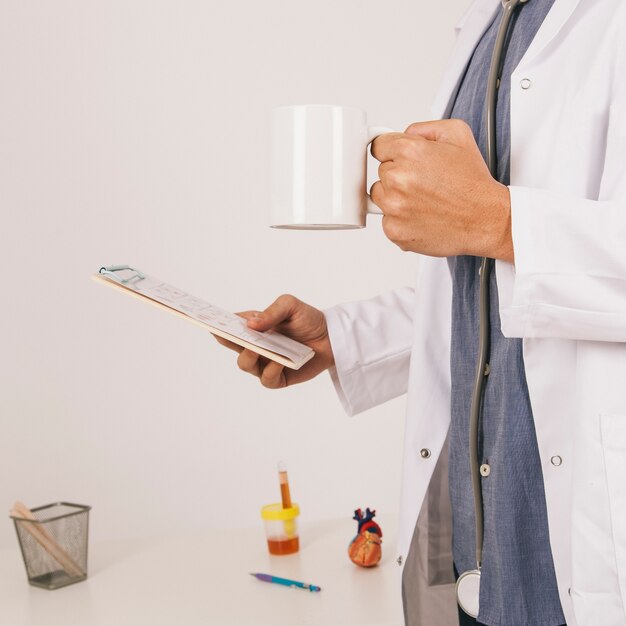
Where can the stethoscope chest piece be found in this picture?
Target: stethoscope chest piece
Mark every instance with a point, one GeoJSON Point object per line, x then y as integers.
{"type": "Point", "coordinates": [468, 592]}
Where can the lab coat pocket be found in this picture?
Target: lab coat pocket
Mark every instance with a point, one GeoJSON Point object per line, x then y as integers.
{"type": "Point", "coordinates": [613, 428]}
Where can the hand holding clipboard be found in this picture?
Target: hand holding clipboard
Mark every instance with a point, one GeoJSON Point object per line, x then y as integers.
{"type": "Point", "coordinates": [224, 324]}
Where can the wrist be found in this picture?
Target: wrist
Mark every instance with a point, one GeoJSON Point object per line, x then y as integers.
{"type": "Point", "coordinates": [497, 242]}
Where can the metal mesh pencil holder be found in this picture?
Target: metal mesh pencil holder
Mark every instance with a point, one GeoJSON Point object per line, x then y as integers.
{"type": "Point", "coordinates": [53, 540]}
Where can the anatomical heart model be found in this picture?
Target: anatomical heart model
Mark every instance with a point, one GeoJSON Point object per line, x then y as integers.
{"type": "Point", "coordinates": [365, 549]}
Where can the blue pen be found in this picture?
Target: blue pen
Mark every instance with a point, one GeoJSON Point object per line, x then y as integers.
{"type": "Point", "coordinates": [285, 581]}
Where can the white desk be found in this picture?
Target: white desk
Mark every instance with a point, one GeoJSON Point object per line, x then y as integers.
{"type": "Point", "coordinates": [203, 580]}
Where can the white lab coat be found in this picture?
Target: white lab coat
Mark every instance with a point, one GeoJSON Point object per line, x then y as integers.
{"type": "Point", "coordinates": [565, 296]}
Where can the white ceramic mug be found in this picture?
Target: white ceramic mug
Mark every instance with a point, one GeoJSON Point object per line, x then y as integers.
{"type": "Point", "coordinates": [319, 167]}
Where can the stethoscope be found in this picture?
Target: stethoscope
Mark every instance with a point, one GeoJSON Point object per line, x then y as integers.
{"type": "Point", "coordinates": [468, 583]}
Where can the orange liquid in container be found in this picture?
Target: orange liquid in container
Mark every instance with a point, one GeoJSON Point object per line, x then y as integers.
{"type": "Point", "coordinates": [283, 546]}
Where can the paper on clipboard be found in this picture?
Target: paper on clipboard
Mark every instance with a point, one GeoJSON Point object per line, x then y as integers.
{"type": "Point", "coordinates": [270, 344]}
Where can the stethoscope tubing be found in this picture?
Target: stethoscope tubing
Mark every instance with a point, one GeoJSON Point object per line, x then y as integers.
{"type": "Point", "coordinates": [484, 343]}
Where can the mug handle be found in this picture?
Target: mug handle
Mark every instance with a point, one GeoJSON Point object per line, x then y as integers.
{"type": "Point", "coordinates": [372, 133]}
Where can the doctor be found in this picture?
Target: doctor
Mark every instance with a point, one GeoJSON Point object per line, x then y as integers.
{"type": "Point", "coordinates": [553, 430]}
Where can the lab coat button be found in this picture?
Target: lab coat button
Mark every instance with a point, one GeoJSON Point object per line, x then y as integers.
{"type": "Point", "coordinates": [399, 560]}
{"type": "Point", "coordinates": [425, 453]}
{"type": "Point", "coordinates": [485, 470]}
{"type": "Point", "coordinates": [525, 83]}
{"type": "Point", "coordinates": [556, 460]}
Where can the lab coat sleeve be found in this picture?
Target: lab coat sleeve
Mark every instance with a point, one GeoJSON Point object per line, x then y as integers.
{"type": "Point", "coordinates": [569, 279]}
{"type": "Point", "coordinates": [371, 343]}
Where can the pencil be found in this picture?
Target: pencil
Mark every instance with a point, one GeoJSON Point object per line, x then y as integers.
{"type": "Point", "coordinates": [268, 578]}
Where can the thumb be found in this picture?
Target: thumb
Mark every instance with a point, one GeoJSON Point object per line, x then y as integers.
{"type": "Point", "coordinates": [281, 309]}
{"type": "Point", "coordinates": [452, 131]}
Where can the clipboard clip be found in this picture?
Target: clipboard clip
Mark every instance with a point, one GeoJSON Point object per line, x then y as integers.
{"type": "Point", "coordinates": [110, 270]}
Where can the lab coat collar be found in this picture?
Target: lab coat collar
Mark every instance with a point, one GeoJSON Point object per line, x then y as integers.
{"type": "Point", "coordinates": [553, 24]}
{"type": "Point", "coordinates": [470, 29]}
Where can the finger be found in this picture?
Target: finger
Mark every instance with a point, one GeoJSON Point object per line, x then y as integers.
{"type": "Point", "coordinates": [280, 310]}
{"type": "Point", "coordinates": [248, 361]}
{"type": "Point", "coordinates": [385, 147]}
{"type": "Point", "coordinates": [448, 131]}
{"type": "Point", "coordinates": [384, 169]}
{"type": "Point", "coordinates": [377, 194]}
{"type": "Point", "coordinates": [248, 314]}
{"type": "Point", "coordinates": [228, 344]}
{"type": "Point", "coordinates": [273, 376]}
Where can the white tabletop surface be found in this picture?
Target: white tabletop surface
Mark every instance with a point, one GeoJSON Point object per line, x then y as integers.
{"type": "Point", "coordinates": [202, 580]}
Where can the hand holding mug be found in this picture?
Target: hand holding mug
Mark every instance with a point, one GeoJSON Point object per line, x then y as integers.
{"type": "Point", "coordinates": [437, 194]}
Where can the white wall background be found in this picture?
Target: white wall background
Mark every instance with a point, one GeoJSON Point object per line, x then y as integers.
{"type": "Point", "coordinates": [136, 131]}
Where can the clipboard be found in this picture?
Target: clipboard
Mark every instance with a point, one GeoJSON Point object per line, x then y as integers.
{"type": "Point", "coordinates": [270, 344]}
